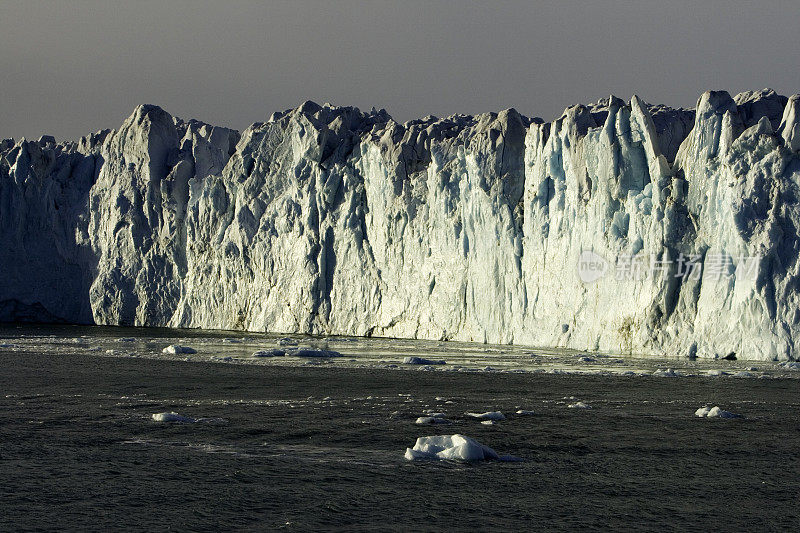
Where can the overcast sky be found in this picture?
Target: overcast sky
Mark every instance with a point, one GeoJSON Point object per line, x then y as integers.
{"type": "Point", "coordinates": [69, 68]}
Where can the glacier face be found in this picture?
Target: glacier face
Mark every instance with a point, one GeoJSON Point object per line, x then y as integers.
{"type": "Point", "coordinates": [329, 220]}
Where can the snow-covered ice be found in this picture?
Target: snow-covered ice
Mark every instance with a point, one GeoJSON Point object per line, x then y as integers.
{"type": "Point", "coordinates": [175, 349]}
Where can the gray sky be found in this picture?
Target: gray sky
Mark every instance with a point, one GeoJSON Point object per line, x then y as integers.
{"type": "Point", "coordinates": [69, 68]}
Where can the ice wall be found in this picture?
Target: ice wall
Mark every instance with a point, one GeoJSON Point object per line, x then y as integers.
{"type": "Point", "coordinates": [330, 220]}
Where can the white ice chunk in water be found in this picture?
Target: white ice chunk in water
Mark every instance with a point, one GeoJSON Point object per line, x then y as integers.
{"type": "Point", "coordinates": [525, 412]}
{"type": "Point", "coordinates": [714, 412]}
{"type": "Point", "coordinates": [490, 415]}
{"type": "Point", "coordinates": [579, 405]}
{"type": "Point", "coordinates": [421, 361]}
{"type": "Point", "coordinates": [171, 417]}
{"type": "Point", "coordinates": [272, 352]}
{"type": "Point", "coordinates": [314, 352]}
{"type": "Point", "coordinates": [176, 349]}
{"type": "Point", "coordinates": [286, 341]}
{"type": "Point", "coordinates": [430, 420]}
{"type": "Point", "coordinates": [450, 448]}
{"type": "Point", "coordinates": [668, 373]}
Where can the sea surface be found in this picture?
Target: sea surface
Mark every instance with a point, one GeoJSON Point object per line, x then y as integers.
{"type": "Point", "coordinates": [294, 443]}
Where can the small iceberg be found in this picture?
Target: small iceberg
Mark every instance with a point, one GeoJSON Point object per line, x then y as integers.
{"type": "Point", "coordinates": [668, 373]}
{"type": "Point", "coordinates": [286, 341]}
{"type": "Point", "coordinates": [176, 349]}
{"type": "Point", "coordinates": [452, 448]}
{"type": "Point", "coordinates": [272, 352]}
{"type": "Point", "coordinates": [314, 352]}
{"type": "Point", "coordinates": [715, 412]}
{"type": "Point", "coordinates": [491, 415]}
{"type": "Point", "coordinates": [172, 417]}
{"type": "Point", "coordinates": [579, 405]}
{"type": "Point", "coordinates": [431, 420]}
{"type": "Point", "coordinates": [421, 361]}
{"type": "Point", "coordinates": [525, 412]}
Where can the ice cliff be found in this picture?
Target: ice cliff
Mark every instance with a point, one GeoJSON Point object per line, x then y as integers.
{"type": "Point", "coordinates": [330, 220]}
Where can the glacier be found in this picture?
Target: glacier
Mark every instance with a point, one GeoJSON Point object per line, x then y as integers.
{"type": "Point", "coordinates": [329, 220]}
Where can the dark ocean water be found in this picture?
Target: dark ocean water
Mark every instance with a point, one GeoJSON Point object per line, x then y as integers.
{"type": "Point", "coordinates": [321, 448]}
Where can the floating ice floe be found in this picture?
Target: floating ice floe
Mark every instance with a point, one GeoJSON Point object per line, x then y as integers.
{"type": "Point", "coordinates": [490, 415]}
{"type": "Point", "coordinates": [715, 412]}
{"type": "Point", "coordinates": [176, 349]}
{"type": "Point", "coordinates": [272, 352]}
{"type": "Point", "coordinates": [313, 352]}
{"type": "Point", "coordinates": [453, 448]}
{"type": "Point", "coordinates": [791, 365]}
{"type": "Point", "coordinates": [126, 339]}
{"type": "Point", "coordinates": [525, 413]}
{"type": "Point", "coordinates": [8, 345]}
{"type": "Point", "coordinates": [666, 373]}
{"type": "Point", "coordinates": [430, 420]}
{"type": "Point", "coordinates": [286, 341]}
{"type": "Point", "coordinates": [172, 417]}
{"type": "Point", "coordinates": [421, 361]}
{"type": "Point", "coordinates": [716, 373]}
{"type": "Point", "coordinates": [579, 405]}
